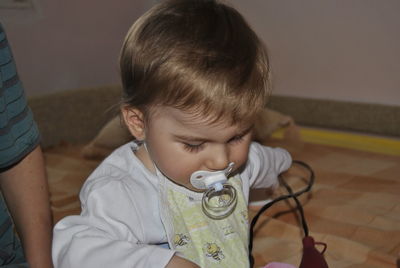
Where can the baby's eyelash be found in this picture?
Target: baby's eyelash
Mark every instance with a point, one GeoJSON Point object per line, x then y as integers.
{"type": "Point", "coordinates": [236, 139]}
{"type": "Point", "coordinates": [193, 148]}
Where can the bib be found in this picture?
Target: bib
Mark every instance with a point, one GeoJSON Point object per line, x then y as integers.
{"type": "Point", "coordinates": [207, 242]}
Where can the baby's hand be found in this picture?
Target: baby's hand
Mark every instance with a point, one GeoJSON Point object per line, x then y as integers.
{"type": "Point", "coordinates": [178, 262]}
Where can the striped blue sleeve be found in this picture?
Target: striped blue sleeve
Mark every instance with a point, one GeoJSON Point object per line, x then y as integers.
{"type": "Point", "coordinates": [19, 134]}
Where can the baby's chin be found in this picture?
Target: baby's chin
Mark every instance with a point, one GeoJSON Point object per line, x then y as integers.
{"type": "Point", "coordinates": [192, 188]}
{"type": "Point", "coordinates": [188, 186]}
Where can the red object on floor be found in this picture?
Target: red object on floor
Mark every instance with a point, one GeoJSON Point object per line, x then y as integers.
{"type": "Point", "coordinates": [312, 258]}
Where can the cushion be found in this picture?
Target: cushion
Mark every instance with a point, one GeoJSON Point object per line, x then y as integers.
{"type": "Point", "coordinates": [115, 133]}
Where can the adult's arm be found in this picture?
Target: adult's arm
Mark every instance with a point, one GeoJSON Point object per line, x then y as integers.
{"type": "Point", "coordinates": [26, 193]}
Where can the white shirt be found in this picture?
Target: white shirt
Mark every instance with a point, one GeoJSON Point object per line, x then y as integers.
{"type": "Point", "coordinates": [120, 224]}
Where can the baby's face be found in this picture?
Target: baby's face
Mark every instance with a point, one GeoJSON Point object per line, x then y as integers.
{"type": "Point", "coordinates": [180, 143]}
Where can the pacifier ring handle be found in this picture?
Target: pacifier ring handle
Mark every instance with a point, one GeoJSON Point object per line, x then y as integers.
{"type": "Point", "coordinates": [219, 209]}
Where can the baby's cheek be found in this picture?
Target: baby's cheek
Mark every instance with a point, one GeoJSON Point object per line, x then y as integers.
{"type": "Point", "coordinates": [178, 171]}
{"type": "Point", "coordinates": [241, 161]}
{"type": "Point", "coordinates": [240, 155]}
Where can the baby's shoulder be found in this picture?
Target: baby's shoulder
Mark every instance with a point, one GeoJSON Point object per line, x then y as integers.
{"type": "Point", "coordinates": [120, 170]}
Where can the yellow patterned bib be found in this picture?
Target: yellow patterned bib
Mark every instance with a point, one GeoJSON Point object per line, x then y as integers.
{"type": "Point", "coordinates": [207, 242]}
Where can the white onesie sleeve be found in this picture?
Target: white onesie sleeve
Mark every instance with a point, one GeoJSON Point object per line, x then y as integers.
{"type": "Point", "coordinates": [265, 164]}
{"type": "Point", "coordinates": [109, 232]}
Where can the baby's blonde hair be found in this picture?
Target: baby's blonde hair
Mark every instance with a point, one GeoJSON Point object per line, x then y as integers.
{"type": "Point", "coordinates": [195, 55]}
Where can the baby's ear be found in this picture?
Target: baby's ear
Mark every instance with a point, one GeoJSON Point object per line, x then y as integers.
{"type": "Point", "coordinates": [134, 120]}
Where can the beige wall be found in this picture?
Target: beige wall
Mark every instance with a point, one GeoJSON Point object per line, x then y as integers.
{"type": "Point", "coordinates": [339, 49]}
{"type": "Point", "coordinates": [342, 50]}
{"type": "Point", "coordinates": [69, 44]}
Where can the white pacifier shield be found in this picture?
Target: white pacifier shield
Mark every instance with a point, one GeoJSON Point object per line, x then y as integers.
{"type": "Point", "coordinates": [205, 179]}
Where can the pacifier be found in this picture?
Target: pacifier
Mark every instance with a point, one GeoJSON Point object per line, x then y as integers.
{"type": "Point", "coordinates": [220, 199]}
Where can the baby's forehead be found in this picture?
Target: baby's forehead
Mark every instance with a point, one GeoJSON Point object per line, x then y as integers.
{"type": "Point", "coordinates": [196, 118]}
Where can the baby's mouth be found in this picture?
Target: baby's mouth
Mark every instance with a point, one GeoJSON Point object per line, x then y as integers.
{"type": "Point", "coordinates": [206, 179]}
{"type": "Point", "coordinates": [220, 198]}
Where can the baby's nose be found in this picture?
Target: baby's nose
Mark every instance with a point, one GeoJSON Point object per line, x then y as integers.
{"type": "Point", "coordinates": [218, 159]}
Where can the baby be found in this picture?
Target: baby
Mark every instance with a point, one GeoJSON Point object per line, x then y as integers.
{"type": "Point", "coordinates": [194, 78]}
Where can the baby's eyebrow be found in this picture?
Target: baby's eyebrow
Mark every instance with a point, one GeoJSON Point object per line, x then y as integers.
{"type": "Point", "coordinates": [201, 139]}
{"type": "Point", "coordinates": [246, 130]}
{"type": "Point", "coordinates": [191, 138]}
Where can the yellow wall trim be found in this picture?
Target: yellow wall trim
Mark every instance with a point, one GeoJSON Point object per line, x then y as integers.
{"type": "Point", "coordinates": [362, 142]}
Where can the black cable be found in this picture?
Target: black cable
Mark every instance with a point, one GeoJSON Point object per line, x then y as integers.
{"type": "Point", "coordinates": [283, 197]}
{"type": "Point", "coordinates": [299, 207]}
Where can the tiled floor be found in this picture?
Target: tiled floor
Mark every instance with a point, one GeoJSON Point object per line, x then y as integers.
{"type": "Point", "coordinates": [354, 207]}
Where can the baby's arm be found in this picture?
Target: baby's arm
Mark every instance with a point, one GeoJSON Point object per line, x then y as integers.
{"type": "Point", "coordinates": [178, 262]}
{"type": "Point", "coordinates": [265, 164]}
{"type": "Point", "coordinates": [110, 232]}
